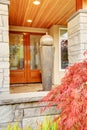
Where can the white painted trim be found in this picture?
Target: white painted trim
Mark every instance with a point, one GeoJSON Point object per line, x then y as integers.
{"type": "Point", "coordinates": [5, 2]}
{"type": "Point", "coordinates": [28, 29]}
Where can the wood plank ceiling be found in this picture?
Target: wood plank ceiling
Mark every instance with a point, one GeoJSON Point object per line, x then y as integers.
{"type": "Point", "coordinates": [48, 13]}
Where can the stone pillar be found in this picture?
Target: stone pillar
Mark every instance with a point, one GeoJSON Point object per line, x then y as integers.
{"type": "Point", "coordinates": [77, 36]}
{"type": "Point", "coordinates": [47, 59]}
{"type": "Point", "coordinates": [4, 47]}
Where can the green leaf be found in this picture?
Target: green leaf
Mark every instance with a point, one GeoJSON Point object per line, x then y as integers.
{"type": "Point", "coordinates": [9, 127]}
{"type": "Point", "coordinates": [15, 126]}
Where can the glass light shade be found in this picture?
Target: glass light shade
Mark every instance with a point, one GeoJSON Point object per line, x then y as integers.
{"type": "Point", "coordinates": [36, 2]}
{"type": "Point", "coordinates": [29, 20]}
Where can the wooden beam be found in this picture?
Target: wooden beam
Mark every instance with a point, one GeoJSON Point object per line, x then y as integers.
{"type": "Point", "coordinates": [81, 4]}
{"type": "Point", "coordinates": [78, 4]}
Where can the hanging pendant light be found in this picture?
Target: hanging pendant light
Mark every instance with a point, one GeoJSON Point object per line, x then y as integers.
{"type": "Point", "coordinates": [36, 2]}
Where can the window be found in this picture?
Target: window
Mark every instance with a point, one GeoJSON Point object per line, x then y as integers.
{"type": "Point", "coordinates": [63, 48]}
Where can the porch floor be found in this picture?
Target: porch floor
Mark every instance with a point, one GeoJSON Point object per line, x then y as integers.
{"type": "Point", "coordinates": [23, 88]}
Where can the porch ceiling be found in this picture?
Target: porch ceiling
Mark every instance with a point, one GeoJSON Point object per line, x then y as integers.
{"type": "Point", "coordinates": [48, 13]}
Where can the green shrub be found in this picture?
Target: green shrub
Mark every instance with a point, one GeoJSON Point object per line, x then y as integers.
{"type": "Point", "coordinates": [13, 127]}
{"type": "Point", "coordinates": [47, 124]}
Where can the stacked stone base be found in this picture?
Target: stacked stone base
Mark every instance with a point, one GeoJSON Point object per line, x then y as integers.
{"type": "Point", "coordinates": [24, 109]}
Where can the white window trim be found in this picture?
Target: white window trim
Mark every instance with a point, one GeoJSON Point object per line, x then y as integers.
{"type": "Point", "coordinates": [61, 28]}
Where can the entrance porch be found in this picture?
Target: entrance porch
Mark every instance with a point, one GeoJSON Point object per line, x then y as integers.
{"type": "Point", "coordinates": [24, 107]}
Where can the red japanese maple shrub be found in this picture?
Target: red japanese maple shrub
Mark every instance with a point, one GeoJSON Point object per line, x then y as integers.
{"type": "Point", "coordinates": [71, 97]}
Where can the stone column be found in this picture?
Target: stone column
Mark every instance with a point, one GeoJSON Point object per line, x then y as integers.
{"type": "Point", "coordinates": [47, 59]}
{"type": "Point", "coordinates": [4, 47]}
{"type": "Point", "coordinates": [77, 36]}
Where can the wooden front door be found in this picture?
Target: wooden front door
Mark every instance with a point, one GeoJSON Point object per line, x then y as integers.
{"type": "Point", "coordinates": [24, 58]}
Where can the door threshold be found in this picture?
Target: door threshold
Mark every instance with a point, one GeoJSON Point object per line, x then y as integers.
{"type": "Point", "coordinates": [23, 88]}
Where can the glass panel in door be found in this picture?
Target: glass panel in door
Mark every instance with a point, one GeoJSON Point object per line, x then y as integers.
{"type": "Point", "coordinates": [16, 52]}
{"type": "Point", "coordinates": [35, 52]}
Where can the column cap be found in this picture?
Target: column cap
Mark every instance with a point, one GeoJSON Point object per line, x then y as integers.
{"type": "Point", "coordinates": [7, 2]}
{"type": "Point", "coordinates": [78, 12]}
{"type": "Point", "coordinates": [46, 40]}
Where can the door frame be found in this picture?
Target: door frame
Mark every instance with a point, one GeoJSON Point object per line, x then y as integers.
{"type": "Point", "coordinates": [27, 75]}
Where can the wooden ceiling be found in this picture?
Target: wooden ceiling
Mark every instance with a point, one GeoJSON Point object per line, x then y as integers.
{"type": "Point", "coordinates": [48, 13]}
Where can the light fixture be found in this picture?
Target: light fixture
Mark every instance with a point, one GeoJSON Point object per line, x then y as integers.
{"type": "Point", "coordinates": [29, 20]}
{"type": "Point", "coordinates": [36, 2]}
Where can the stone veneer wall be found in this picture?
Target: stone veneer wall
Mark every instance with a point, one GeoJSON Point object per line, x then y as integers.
{"type": "Point", "coordinates": [4, 47]}
{"type": "Point", "coordinates": [24, 109]}
{"type": "Point", "coordinates": [77, 34]}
